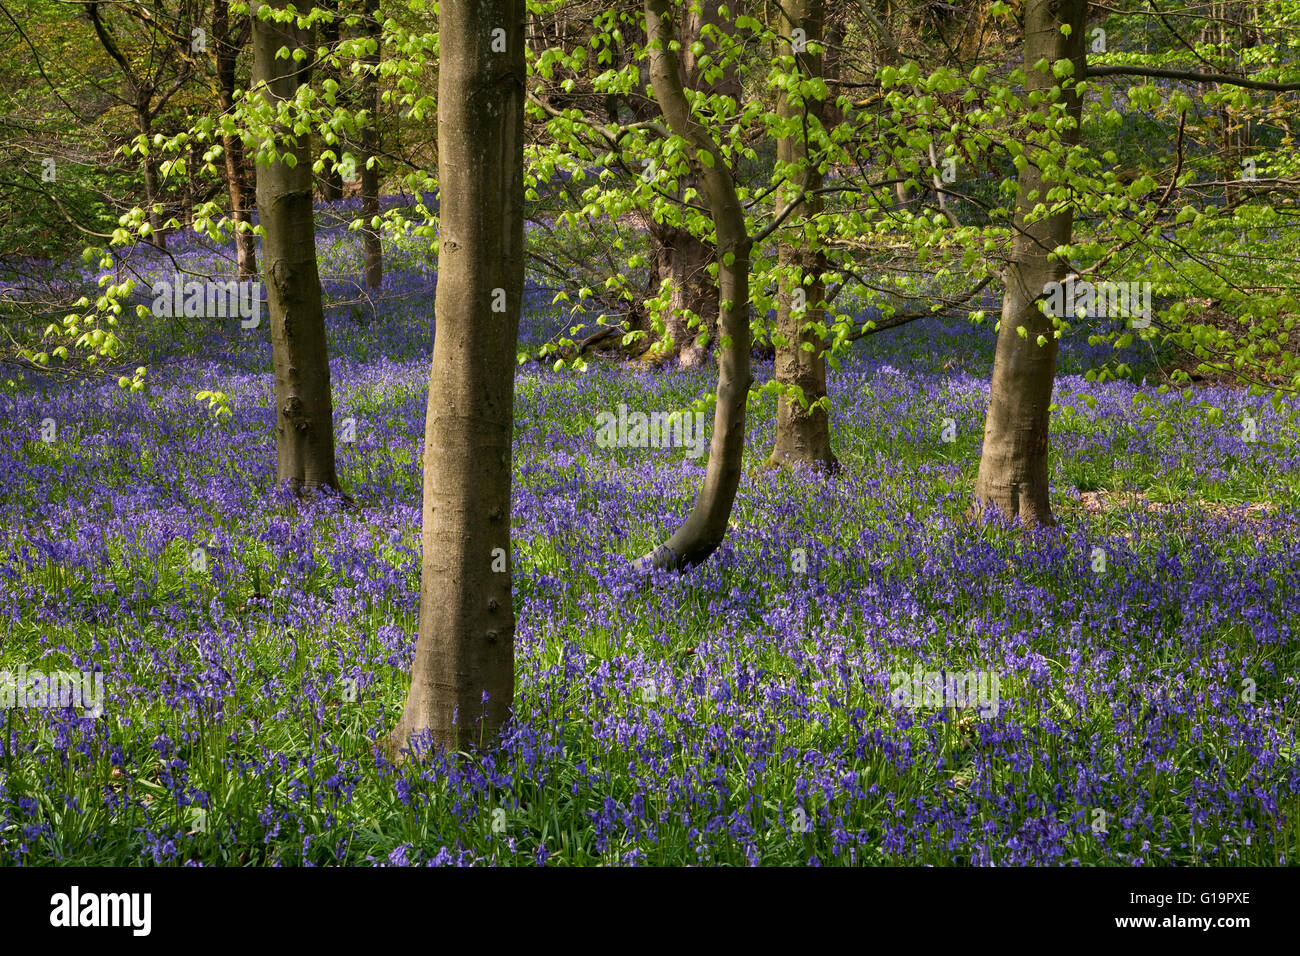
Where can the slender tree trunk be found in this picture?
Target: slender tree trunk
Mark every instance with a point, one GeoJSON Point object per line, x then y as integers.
{"type": "Point", "coordinates": [1236, 130]}
{"type": "Point", "coordinates": [374, 253]}
{"type": "Point", "coordinates": [331, 180]}
{"type": "Point", "coordinates": [887, 54]}
{"type": "Point", "coordinates": [140, 94]}
{"type": "Point", "coordinates": [189, 191]}
{"type": "Point", "coordinates": [237, 185]}
{"type": "Point", "coordinates": [833, 116]}
{"type": "Point", "coordinates": [684, 259]}
{"type": "Point", "coordinates": [707, 525]}
{"type": "Point", "coordinates": [802, 434]}
{"type": "Point", "coordinates": [972, 39]}
{"type": "Point", "coordinates": [303, 402]}
{"type": "Point", "coordinates": [152, 190]}
{"type": "Point", "coordinates": [1013, 466]}
{"type": "Point", "coordinates": [462, 679]}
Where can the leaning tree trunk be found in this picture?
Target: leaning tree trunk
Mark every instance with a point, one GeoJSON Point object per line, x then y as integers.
{"type": "Point", "coordinates": [462, 679]}
{"type": "Point", "coordinates": [374, 253]}
{"type": "Point", "coordinates": [304, 409]}
{"type": "Point", "coordinates": [682, 259]}
{"type": "Point", "coordinates": [802, 433]}
{"type": "Point", "coordinates": [707, 525]}
{"type": "Point", "coordinates": [232, 146]}
{"type": "Point", "coordinates": [1013, 466]}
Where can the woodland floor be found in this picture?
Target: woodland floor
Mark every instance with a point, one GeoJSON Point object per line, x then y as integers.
{"type": "Point", "coordinates": [738, 713]}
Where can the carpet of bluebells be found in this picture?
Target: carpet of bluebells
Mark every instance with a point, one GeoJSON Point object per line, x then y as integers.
{"type": "Point", "coordinates": [739, 713]}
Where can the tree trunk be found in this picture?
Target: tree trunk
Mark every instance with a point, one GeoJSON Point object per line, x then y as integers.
{"type": "Point", "coordinates": [802, 434]}
{"type": "Point", "coordinates": [374, 254]}
{"type": "Point", "coordinates": [704, 530]}
{"type": "Point", "coordinates": [683, 259]}
{"type": "Point", "coordinates": [462, 679]}
{"type": "Point", "coordinates": [972, 40]}
{"type": "Point", "coordinates": [832, 115]}
{"type": "Point", "coordinates": [140, 96]}
{"type": "Point", "coordinates": [152, 190]}
{"type": "Point", "coordinates": [692, 316]}
{"type": "Point", "coordinates": [331, 180]}
{"type": "Point", "coordinates": [189, 190]}
{"type": "Point", "coordinates": [1236, 132]}
{"type": "Point", "coordinates": [1013, 466]}
{"type": "Point", "coordinates": [237, 185]}
{"type": "Point", "coordinates": [303, 402]}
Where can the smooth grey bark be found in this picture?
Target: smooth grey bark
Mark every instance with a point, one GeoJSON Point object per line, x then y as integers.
{"type": "Point", "coordinates": [1013, 474]}
{"type": "Point", "coordinates": [706, 526]}
{"type": "Point", "coordinates": [304, 408]}
{"type": "Point", "coordinates": [802, 434]}
{"type": "Point", "coordinates": [462, 678]}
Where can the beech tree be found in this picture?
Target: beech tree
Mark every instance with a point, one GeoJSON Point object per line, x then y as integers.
{"type": "Point", "coordinates": [1013, 475]}
{"type": "Point", "coordinates": [462, 678]}
{"type": "Point", "coordinates": [331, 32]}
{"type": "Point", "coordinates": [150, 85]}
{"type": "Point", "coordinates": [304, 405]}
{"type": "Point", "coordinates": [682, 259]}
{"type": "Point", "coordinates": [706, 525]}
{"type": "Point", "coordinates": [802, 427]}
{"type": "Point", "coordinates": [228, 41]}
{"type": "Point", "coordinates": [373, 250]}
{"type": "Point", "coordinates": [678, 316]}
